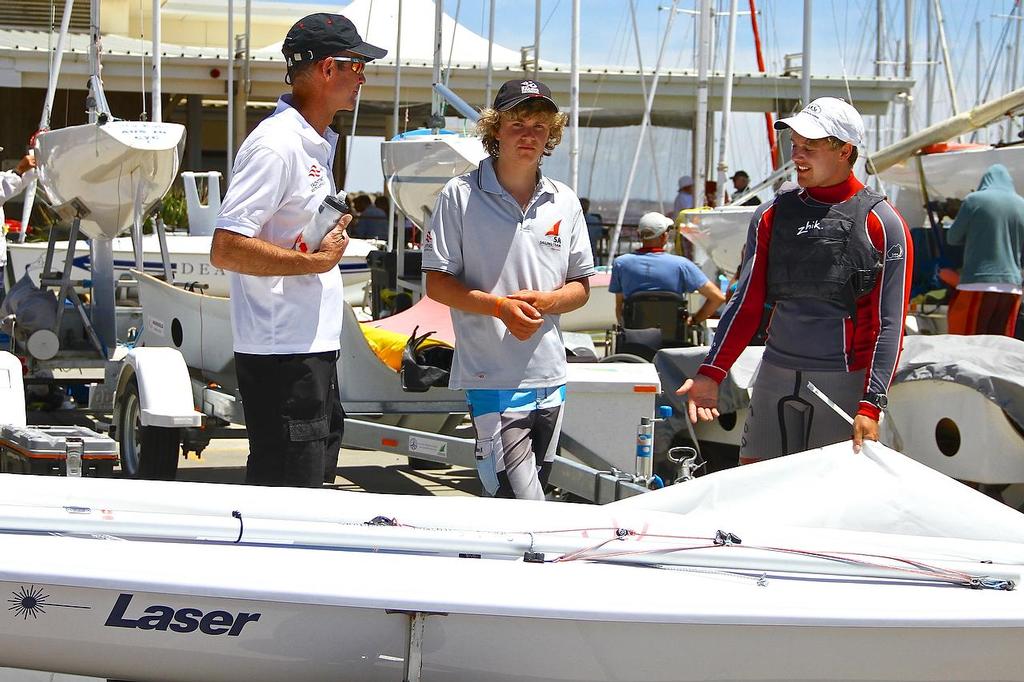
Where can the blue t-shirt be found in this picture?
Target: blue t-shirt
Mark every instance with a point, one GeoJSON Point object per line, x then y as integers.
{"type": "Point", "coordinates": [654, 270]}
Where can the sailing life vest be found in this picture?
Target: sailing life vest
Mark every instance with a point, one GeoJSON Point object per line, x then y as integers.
{"type": "Point", "coordinates": [823, 251]}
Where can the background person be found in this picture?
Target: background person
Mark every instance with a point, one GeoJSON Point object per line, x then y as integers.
{"type": "Point", "coordinates": [286, 305]}
{"type": "Point", "coordinates": [834, 259]}
{"type": "Point", "coordinates": [595, 228]}
{"type": "Point", "coordinates": [990, 225]}
{"type": "Point", "coordinates": [508, 251]}
{"type": "Point", "coordinates": [684, 198]}
{"type": "Point", "coordinates": [740, 183]}
{"type": "Point", "coordinates": [651, 268]}
{"type": "Point", "coordinates": [371, 221]}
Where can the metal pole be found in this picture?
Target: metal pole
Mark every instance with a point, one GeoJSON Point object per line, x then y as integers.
{"type": "Point", "coordinates": [700, 130]}
{"type": "Point", "coordinates": [723, 142]}
{"type": "Point", "coordinates": [157, 104]}
{"type": "Point", "coordinates": [929, 67]}
{"type": "Point", "coordinates": [536, 38]}
{"type": "Point", "coordinates": [435, 99]}
{"type": "Point", "coordinates": [908, 62]}
{"type": "Point", "coordinates": [1015, 82]}
{"type": "Point", "coordinates": [490, 57]}
{"type": "Point", "coordinates": [94, 53]}
{"type": "Point", "coordinates": [977, 63]}
{"type": "Point", "coordinates": [574, 101]}
{"type": "Point", "coordinates": [394, 123]}
{"type": "Point", "coordinates": [245, 86]}
{"type": "Point", "coordinates": [805, 60]}
{"type": "Point", "coordinates": [230, 150]}
{"type": "Point", "coordinates": [612, 246]}
{"type": "Point", "coordinates": [946, 63]}
{"type": "Point", "coordinates": [879, 58]}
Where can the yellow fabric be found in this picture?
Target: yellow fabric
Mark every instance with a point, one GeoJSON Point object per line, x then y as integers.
{"type": "Point", "coordinates": [388, 345]}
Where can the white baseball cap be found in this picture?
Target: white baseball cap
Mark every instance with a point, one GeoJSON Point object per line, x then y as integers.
{"type": "Point", "coordinates": [653, 225]}
{"type": "Point", "coordinates": [685, 181]}
{"type": "Point", "coordinates": [827, 117]}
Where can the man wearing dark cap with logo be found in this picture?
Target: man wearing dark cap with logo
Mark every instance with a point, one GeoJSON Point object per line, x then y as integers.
{"type": "Point", "coordinates": [508, 251]}
{"type": "Point", "coordinates": [834, 259]}
{"type": "Point", "coordinates": [286, 304]}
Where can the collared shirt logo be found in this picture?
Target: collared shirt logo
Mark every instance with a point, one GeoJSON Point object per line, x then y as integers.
{"type": "Point", "coordinates": [551, 238]}
{"type": "Point", "coordinates": [808, 226]}
{"type": "Point", "coordinates": [316, 175]}
{"type": "Point", "coordinates": [530, 88]}
{"type": "Point", "coordinates": [315, 171]}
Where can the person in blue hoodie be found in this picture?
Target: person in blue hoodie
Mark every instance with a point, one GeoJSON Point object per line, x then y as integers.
{"type": "Point", "coordinates": [990, 226]}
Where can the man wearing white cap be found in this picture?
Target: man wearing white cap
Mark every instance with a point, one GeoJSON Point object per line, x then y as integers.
{"type": "Point", "coordinates": [684, 199]}
{"type": "Point", "coordinates": [651, 268]}
{"type": "Point", "coordinates": [833, 258]}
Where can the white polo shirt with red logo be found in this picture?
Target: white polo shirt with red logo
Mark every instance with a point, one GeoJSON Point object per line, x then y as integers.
{"type": "Point", "coordinates": [281, 174]}
{"type": "Point", "coordinates": [481, 235]}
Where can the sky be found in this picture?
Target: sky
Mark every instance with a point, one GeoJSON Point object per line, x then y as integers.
{"type": "Point", "coordinates": [842, 42]}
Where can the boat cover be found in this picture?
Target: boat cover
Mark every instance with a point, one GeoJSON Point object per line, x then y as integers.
{"type": "Point", "coordinates": [878, 491]}
{"type": "Point", "coordinates": [991, 365]}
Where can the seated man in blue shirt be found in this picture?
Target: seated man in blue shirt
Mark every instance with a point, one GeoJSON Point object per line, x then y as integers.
{"type": "Point", "coordinates": [651, 268]}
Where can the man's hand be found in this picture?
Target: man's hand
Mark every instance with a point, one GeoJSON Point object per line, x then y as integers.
{"type": "Point", "coordinates": [27, 162]}
{"type": "Point", "coordinates": [333, 246]}
{"type": "Point", "coordinates": [864, 428]}
{"type": "Point", "coordinates": [703, 398]}
{"type": "Point", "coordinates": [542, 301]}
{"type": "Point", "coordinates": [520, 317]}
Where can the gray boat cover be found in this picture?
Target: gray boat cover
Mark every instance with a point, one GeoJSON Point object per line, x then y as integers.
{"type": "Point", "coordinates": [991, 365]}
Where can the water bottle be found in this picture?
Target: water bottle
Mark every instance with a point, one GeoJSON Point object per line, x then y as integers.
{"type": "Point", "coordinates": [330, 211]}
{"type": "Point", "coordinates": [645, 449]}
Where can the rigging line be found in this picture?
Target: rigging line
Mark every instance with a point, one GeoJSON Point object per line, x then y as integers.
{"type": "Point", "coordinates": [550, 14]}
{"type": "Point", "coordinates": [451, 50]}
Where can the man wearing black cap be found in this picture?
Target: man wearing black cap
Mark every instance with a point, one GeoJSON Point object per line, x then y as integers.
{"type": "Point", "coordinates": [286, 304]}
{"type": "Point", "coordinates": [740, 182]}
{"type": "Point", "coordinates": [508, 251]}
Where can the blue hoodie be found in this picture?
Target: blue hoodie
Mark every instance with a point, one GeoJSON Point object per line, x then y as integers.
{"type": "Point", "coordinates": [990, 225]}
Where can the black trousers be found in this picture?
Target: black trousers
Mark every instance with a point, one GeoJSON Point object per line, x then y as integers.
{"type": "Point", "coordinates": [293, 416]}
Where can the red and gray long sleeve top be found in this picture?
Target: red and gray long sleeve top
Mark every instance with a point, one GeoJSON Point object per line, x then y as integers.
{"type": "Point", "coordinates": [813, 334]}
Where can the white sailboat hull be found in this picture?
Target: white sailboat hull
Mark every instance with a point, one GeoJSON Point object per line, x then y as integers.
{"type": "Point", "coordinates": [190, 262]}
{"type": "Point", "coordinates": [145, 581]}
{"type": "Point", "coordinates": [116, 171]}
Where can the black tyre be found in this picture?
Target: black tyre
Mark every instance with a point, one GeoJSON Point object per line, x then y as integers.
{"type": "Point", "coordinates": [146, 452]}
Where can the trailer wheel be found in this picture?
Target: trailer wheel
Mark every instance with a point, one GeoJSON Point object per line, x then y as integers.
{"type": "Point", "coordinates": [146, 452]}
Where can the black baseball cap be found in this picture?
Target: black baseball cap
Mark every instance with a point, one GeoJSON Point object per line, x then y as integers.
{"type": "Point", "coordinates": [322, 35]}
{"type": "Point", "coordinates": [740, 174]}
{"type": "Point", "coordinates": [516, 92]}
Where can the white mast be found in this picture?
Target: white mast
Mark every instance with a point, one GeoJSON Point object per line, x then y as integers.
{"type": "Point", "coordinates": [394, 123]}
{"type": "Point", "coordinates": [230, 150]}
{"type": "Point", "coordinates": [723, 143]}
{"type": "Point", "coordinates": [805, 60]}
{"type": "Point", "coordinates": [536, 38]}
{"type": "Point", "coordinates": [700, 170]}
{"type": "Point", "coordinates": [490, 56]}
{"type": "Point", "coordinates": [158, 115]}
{"type": "Point", "coordinates": [574, 101]}
{"type": "Point", "coordinates": [613, 245]}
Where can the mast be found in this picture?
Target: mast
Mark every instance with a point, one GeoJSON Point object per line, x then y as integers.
{"type": "Point", "coordinates": [435, 99]}
{"type": "Point", "coordinates": [908, 62]}
{"type": "Point", "coordinates": [574, 101]}
{"type": "Point", "coordinates": [394, 125]}
{"type": "Point", "coordinates": [805, 60]}
{"type": "Point", "coordinates": [723, 142]}
{"type": "Point", "coordinates": [157, 104]}
{"type": "Point", "coordinates": [773, 148]}
{"type": "Point", "coordinates": [700, 121]}
{"type": "Point", "coordinates": [490, 56]}
{"type": "Point", "coordinates": [946, 63]}
{"type": "Point", "coordinates": [536, 38]}
{"type": "Point", "coordinates": [614, 243]}
{"type": "Point", "coordinates": [231, 91]}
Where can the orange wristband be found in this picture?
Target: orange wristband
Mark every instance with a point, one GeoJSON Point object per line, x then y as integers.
{"type": "Point", "coordinates": [497, 306]}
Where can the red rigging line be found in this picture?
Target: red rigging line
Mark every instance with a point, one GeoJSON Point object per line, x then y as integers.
{"type": "Point", "coordinates": [773, 147]}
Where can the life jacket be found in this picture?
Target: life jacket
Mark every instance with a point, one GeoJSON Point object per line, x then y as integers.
{"type": "Point", "coordinates": [823, 251]}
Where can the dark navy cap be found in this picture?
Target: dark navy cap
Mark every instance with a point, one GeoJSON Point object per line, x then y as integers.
{"type": "Point", "coordinates": [516, 92]}
{"type": "Point", "coordinates": [325, 35]}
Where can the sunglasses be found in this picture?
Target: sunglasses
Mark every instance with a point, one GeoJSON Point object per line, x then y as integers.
{"type": "Point", "coordinates": [355, 63]}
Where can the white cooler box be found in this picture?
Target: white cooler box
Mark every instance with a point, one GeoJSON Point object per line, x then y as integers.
{"type": "Point", "coordinates": [603, 407]}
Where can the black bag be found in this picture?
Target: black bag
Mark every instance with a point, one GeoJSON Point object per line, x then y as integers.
{"type": "Point", "coordinates": [423, 368]}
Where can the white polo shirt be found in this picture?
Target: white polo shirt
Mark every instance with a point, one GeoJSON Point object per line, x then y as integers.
{"type": "Point", "coordinates": [282, 172]}
{"type": "Point", "coordinates": [10, 184]}
{"type": "Point", "coordinates": [481, 235]}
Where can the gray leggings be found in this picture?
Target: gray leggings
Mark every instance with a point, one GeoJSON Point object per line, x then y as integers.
{"type": "Point", "coordinates": [785, 417]}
